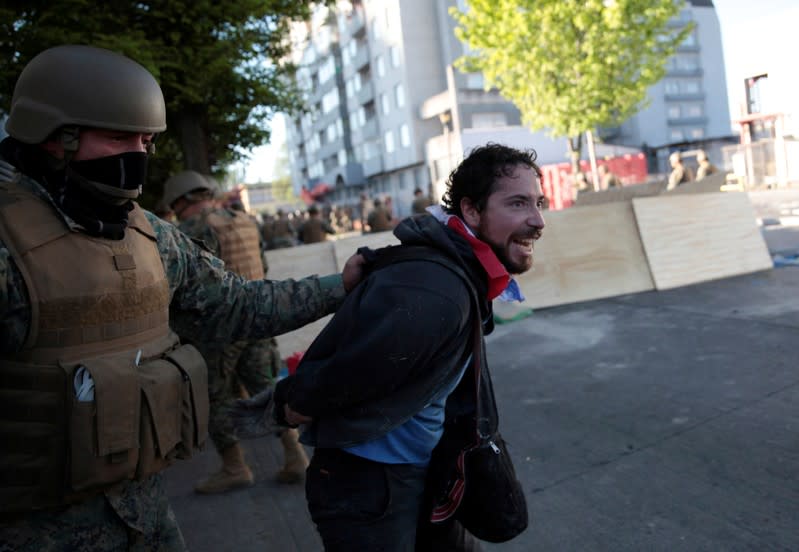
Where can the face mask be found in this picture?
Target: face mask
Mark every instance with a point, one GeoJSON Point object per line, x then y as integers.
{"type": "Point", "coordinates": [115, 179]}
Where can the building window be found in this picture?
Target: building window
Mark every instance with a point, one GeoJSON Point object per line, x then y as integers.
{"type": "Point", "coordinates": [405, 136]}
{"type": "Point", "coordinates": [395, 56]}
{"type": "Point", "coordinates": [674, 112]}
{"type": "Point", "coordinates": [388, 141]}
{"type": "Point", "coordinates": [381, 66]}
{"type": "Point", "coordinates": [489, 120]}
{"type": "Point", "coordinates": [676, 135]}
{"type": "Point", "coordinates": [691, 86]}
{"type": "Point", "coordinates": [399, 95]}
{"type": "Point", "coordinates": [692, 110]}
{"type": "Point", "coordinates": [375, 28]}
{"type": "Point", "coordinates": [384, 104]}
{"type": "Point", "coordinates": [697, 133]}
{"type": "Point", "coordinates": [342, 158]}
{"type": "Point", "coordinates": [330, 100]}
{"type": "Point", "coordinates": [671, 86]}
{"type": "Point", "coordinates": [331, 133]}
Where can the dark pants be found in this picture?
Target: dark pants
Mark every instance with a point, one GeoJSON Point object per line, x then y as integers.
{"type": "Point", "coordinates": [358, 504]}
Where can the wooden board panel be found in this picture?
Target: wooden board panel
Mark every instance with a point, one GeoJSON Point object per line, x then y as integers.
{"type": "Point", "coordinates": [301, 261]}
{"type": "Point", "coordinates": [301, 339]}
{"type": "Point", "coordinates": [691, 238]}
{"type": "Point", "coordinates": [587, 253]}
{"type": "Point", "coordinates": [345, 248]}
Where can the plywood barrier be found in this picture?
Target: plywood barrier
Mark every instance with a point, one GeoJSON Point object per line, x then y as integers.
{"type": "Point", "coordinates": [347, 247]}
{"type": "Point", "coordinates": [625, 193]}
{"type": "Point", "coordinates": [321, 259]}
{"type": "Point", "coordinates": [585, 254]}
{"type": "Point", "coordinates": [593, 252]}
{"type": "Point", "coordinates": [695, 238]}
{"type": "Point", "coordinates": [712, 183]}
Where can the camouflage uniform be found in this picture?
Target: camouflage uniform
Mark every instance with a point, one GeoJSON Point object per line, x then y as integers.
{"type": "Point", "coordinates": [251, 364]}
{"type": "Point", "coordinates": [207, 303]}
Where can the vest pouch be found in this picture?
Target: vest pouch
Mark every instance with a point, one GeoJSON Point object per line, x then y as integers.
{"type": "Point", "coordinates": [194, 405]}
{"type": "Point", "coordinates": [104, 432]}
{"type": "Point", "coordinates": [161, 396]}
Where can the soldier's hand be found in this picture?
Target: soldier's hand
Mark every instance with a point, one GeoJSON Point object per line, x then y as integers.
{"type": "Point", "coordinates": [353, 271]}
{"type": "Point", "coordinates": [253, 417]}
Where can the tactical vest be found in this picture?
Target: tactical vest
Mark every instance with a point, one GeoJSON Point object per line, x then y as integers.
{"type": "Point", "coordinates": [99, 316]}
{"type": "Point", "coordinates": [239, 244]}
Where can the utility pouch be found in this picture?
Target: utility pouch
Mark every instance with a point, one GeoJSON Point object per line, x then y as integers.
{"type": "Point", "coordinates": [194, 407]}
{"type": "Point", "coordinates": [161, 395]}
{"type": "Point", "coordinates": [104, 432]}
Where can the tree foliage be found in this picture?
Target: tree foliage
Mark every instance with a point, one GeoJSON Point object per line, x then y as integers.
{"type": "Point", "coordinates": [570, 66]}
{"type": "Point", "coordinates": [220, 64]}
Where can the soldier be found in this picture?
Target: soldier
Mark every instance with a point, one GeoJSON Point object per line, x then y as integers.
{"type": "Point", "coordinates": [680, 174]}
{"type": "Point", "coordinates": [233, 236]}
{"type": "Point", "coordinates": [706, 168]}
{"type": "Point", "coordinates": [420, 202]}
{"type": "Point", "coordinates": [379, 219]}
{"type": "Point", "coordinates": [98, 394]}
{"type": "Point", "coordinates": [314, 230]}
{"type": "Point", "coordinates": [282, 231]}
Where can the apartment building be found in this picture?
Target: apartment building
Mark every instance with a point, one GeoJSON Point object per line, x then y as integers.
{"type": "Point", "coordinates": [388, 112]}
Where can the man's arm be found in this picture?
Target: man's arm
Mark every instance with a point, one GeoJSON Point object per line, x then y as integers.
{"type": "Point", "coordinates": [218, 307]}
{"type": "Point", "coordinates": [384, 334]}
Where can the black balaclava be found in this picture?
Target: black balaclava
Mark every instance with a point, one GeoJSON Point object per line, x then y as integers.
{"type": "Point", "coordinates": [95, 193]}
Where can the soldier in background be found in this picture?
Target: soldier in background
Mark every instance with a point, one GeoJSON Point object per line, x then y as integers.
{"type": "Point", "coordinates": [90, 285]}
{"type": "Point", "coordinates": [314, 229]}
{"type": "Point", "coordinates": [379, 219]}
{"type": "Point", "coordinates": [420, 202]}
{"type": "Point", "coordinates": [706, 168]}
{"type": "Point", "coordinates": [249, 366]}
{"type": "Point", "coordinates": [282, 231]}
{"type": "Point", "coordinates": [680, 174]}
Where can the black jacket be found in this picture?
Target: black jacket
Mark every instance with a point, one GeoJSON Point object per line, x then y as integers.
{"type": "Point", "coordinates": [401, 335]}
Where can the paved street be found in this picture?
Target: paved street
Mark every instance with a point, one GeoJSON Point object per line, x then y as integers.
{"type": "Point", "coordinates": [656, 421]}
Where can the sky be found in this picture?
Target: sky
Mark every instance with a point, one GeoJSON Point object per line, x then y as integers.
{"type": "Point", "coordinates": [758, 36]}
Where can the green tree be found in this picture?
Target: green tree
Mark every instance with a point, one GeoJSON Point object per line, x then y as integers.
{"type": "Point", "coordinates": [570, 66]}
{"type": "Point", "coordinates": [221, 65]}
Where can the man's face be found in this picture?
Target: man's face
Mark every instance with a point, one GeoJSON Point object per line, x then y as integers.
{"type": "Point", "coordinates": [96, 143]}
{"type": "Point", "coordinates": [511, 220]}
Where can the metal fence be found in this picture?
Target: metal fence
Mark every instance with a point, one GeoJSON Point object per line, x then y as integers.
{"type": "Point", "coordinates": [772, 163]}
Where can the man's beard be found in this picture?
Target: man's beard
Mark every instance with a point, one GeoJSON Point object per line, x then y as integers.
{"type": "Point", "coordinates": [513, 268]}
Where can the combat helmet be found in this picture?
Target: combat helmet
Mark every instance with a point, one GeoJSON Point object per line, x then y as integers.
{"type": "Point", "coordinates": [87, 87]}
{"type": "Point", "coordinates": [185, 182]}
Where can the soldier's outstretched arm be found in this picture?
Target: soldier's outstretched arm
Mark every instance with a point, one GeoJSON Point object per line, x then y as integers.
{"type": "Point", "coordinates": [218, 307]}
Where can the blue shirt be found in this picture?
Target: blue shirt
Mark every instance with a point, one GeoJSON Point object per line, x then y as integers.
{"type": "Point", "coordinates": [413, 441]}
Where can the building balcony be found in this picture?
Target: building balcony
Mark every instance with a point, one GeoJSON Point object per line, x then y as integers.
{"type": "Point", "coordinates": [366, 94]}
{"type": "Point", "coordinates": [367, 131]}
{"type": "Point", "coordinates": [373, 166]}
{"type": "Point", "coordinates": [356, 24]}
{"type": "Point", "coordinates": [684, 72]}
{"type": "Point", "coordinates": [361, 58]}
{"type": "Point", "coordinates": [686, 121]}
{"type": "Point", "coordinates": [684, 97]}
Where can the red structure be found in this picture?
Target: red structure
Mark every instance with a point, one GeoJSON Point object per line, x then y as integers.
{"type": "Point", "coordinates": [558, 183]}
